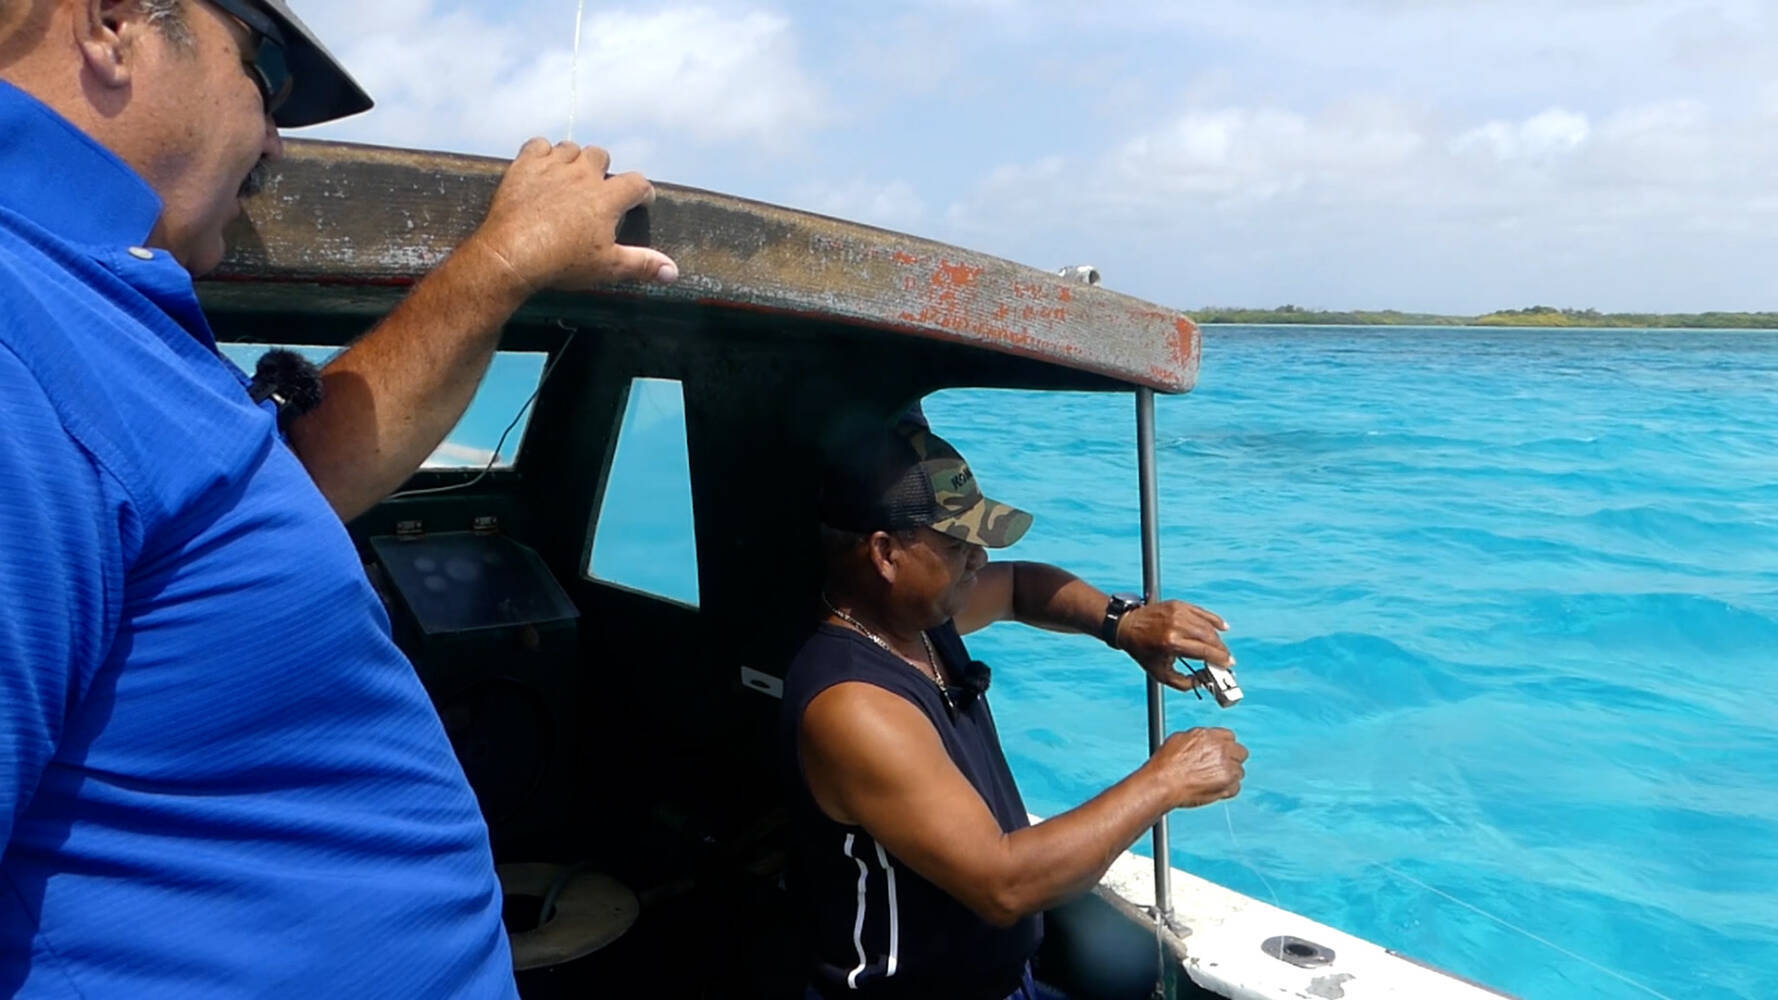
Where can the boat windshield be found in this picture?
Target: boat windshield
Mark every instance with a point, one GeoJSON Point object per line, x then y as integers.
{"type": "Point", "coordinates": [499, 404]}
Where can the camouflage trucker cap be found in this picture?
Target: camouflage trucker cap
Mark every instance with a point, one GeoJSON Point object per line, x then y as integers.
{"type": "Point", "coordinates": [886, 479]}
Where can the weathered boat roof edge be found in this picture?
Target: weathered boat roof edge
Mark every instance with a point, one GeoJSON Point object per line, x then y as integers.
{"type": "Point", "coordinates": [353, 225]}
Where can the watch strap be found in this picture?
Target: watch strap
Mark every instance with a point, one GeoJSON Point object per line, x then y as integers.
{"type": "Point", "coordinates": [1115, 609]}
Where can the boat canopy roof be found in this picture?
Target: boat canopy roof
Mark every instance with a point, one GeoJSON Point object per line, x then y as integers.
{"type": "Point", "coordinates": [341, 230]}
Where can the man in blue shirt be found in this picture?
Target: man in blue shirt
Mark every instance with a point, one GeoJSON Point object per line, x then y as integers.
{"type": "Point", "coordinates": [218, 776]}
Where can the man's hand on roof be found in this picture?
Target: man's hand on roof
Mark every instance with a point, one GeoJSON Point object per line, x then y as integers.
{"type": "Point", "coordinates": [553, 222]}
{"type": "Point", "coordinates": [398, 391]}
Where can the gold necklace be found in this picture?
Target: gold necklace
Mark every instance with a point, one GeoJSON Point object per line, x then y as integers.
{"type": "Point", "coordinates": [931, 654]}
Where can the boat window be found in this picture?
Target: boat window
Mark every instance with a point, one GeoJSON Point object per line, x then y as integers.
{"type": "Point", "coordinates": [498, 403]}
{"type": "Point", "coordinates": [644, 536]}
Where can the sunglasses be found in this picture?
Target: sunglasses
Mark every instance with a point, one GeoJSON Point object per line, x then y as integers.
{"type": "Point", "coordinates": [267, 66]}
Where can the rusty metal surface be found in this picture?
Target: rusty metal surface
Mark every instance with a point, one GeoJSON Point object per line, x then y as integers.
{"type": "Point", "coordinates": [342, 229]}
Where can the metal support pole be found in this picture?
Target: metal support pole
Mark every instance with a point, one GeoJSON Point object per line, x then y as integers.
{"type": "Point", "coordinates": [1151, 588]}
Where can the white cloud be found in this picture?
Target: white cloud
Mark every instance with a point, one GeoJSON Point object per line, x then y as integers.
{"type": "Point", "coordinates": [1375, 204]}
{"type": "Point", "coordinates": [1248, 154]}
{"type": "Point", "coordinates": [891, 205]}
{"type": "Point", "coordinates": [473, 79]}
{"type": "Point", "coordinates": [1551, 133]}
{"type": "Point", "coordinates": [714, 76]}
{"type": "Point", "coordinates": [1229, 160]}
{"type": "Point", "coordinates": [1445, 154]}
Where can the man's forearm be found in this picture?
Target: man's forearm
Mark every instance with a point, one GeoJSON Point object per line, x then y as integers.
{"type": "Point", "coordinates": [1062, 857]}
{"type": "Point", "coordinates": [391, 398]}
{"type": "Point", "coordinates": [1052, 598]}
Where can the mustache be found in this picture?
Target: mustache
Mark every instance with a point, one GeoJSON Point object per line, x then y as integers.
{"type": "Point", "coordinates": [256, 178]}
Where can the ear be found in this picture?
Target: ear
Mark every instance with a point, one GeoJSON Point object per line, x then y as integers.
{"type": "Point", "coordinates": [106, 32]}
{"type": "Point", "coordinates": [884, 554]}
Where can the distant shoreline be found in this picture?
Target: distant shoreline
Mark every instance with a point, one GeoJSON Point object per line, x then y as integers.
{"type": "Point", "coordinates": [1492, 326]}
{"type": "Point", "coordinates": [1536, 317]}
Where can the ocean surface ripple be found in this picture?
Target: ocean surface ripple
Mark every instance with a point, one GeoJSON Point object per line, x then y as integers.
{"type": "Point", "coordinates": [1506, 609]}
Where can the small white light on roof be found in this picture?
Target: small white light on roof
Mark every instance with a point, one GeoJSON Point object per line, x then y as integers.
{"type": "Point", "coordinates": [1086, 274]}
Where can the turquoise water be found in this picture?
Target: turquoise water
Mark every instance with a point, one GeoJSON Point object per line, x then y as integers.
{"type": "Point", "coordinates": [1506, 609]}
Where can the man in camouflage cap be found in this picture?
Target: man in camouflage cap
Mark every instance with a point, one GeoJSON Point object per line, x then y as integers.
{"type": "Point", "coordinates": [910, 478]}
{"type": "Point", "coordinates": [914, 864]}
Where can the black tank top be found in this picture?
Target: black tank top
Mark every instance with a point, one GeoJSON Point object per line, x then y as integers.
{"type": "Point", "coordinates": [874, 926]}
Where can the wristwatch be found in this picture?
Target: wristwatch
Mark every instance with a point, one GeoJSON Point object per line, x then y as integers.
{"type": "Point", "coordinates": [1121, 604]}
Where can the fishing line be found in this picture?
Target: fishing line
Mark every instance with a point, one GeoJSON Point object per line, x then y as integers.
{"type": "Point", "coordinates": [573, 108]}
{"type": "Point", "coordinates": [1546, 943]}
{"type": "Point", "coordinates": [495, 457]}
{"type": "Point", "coordinates": [1228, 817]}
{"type": "Point", "coordinates": [574, 69]}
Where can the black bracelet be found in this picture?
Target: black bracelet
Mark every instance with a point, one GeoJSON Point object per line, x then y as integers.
{"type": "Point", "coordinates": [1115, 609]}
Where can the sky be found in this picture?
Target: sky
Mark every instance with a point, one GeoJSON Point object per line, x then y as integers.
{"type": "Point", "coordinates": [1452, 156]}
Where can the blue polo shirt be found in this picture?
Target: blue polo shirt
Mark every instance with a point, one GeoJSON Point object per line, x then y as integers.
{"type": "Point", "coordinates": [218, 776]}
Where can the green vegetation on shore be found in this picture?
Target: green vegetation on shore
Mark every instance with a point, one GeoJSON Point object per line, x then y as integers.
{"type": "Point", "coordinates": [1536, 316]}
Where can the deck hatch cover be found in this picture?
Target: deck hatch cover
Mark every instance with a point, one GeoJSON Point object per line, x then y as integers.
{"type": "Point", "coordinates": [1298, 952]}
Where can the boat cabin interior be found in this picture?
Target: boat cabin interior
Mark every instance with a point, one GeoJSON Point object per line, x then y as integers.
{"type": "Point", "coordinates": [621, 741]}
